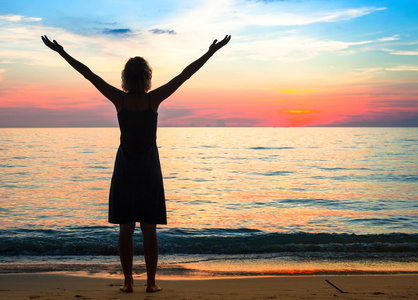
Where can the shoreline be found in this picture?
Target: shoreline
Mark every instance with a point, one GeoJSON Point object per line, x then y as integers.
{"type": "Point", "coordinates": [142, 276]}
{"type": "Point", "coordinates": [218, 266]}
{"type": "Point", "coordinates": [65, 286]}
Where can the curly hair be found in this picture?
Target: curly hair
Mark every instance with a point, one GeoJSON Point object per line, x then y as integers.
{"type": "Point", "coordinates": [136, 76]}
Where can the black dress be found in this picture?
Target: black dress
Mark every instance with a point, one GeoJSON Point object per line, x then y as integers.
{"type": "Point", "coordinates": [136, 191]}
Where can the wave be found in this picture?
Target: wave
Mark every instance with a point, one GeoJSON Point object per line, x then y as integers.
{"type": "Point", "coordinates": [102, 240]}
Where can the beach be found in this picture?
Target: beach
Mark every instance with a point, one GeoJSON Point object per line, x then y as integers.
{"type": "Point", "coordinates": [61, 286]}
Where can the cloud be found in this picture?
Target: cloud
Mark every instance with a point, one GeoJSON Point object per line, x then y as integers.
{"type": "Point", "coordinates": [19, 18]}
{"type": "Point", "coordinates": [162, 31]}
{"type": "Point", "coordinates": [220, 123]}
{"type": "Point", "coordinates": [403, 68]}
{"type": "Point", "coordinates": [389, 104]}
{"type": "Point", "coordinates": [21, 44]}
{"type": "Point", "coordinates": [379, 119]}
{"type": "Point", "coordinates": [292, 91]}
{"type": "Point", "coordinates": [224, 122]}
{"type": "Point", "coordinates": [271, 32]}
{"type": "Point", "coordinates": [401, 52]}
{"type": "Point", "coordinates": [228, 16]}
{"type": "Point", "coordinates": [299, 111]}
{"type": "Point", "coordinates": [390, 38]}
{"type": "Point", "coordinates": [404, 52]}
{"type": "Point", "coordinates": [292, 48]}
{"type": "Point", "coordinates": [280, 18]}
{"type": "Point", "coordinates": [246, 122]}
{"type": "Point", "coordinates": [167, 113]}
{"type": "Point", "coordinates": [121, 31]}
{"type": "Point", "coordinates": [203, 117]}
{"type": "Point", "coordinates": [30, 116]}
{"type": "Point", "coordinates": [383, 111]}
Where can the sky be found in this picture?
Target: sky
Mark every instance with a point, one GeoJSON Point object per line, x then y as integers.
{"type": "Point", "coordinates": [289, 63]}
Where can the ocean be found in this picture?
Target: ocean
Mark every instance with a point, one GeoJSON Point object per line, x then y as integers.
{"type": "Point", "coordinates": [240, 201]}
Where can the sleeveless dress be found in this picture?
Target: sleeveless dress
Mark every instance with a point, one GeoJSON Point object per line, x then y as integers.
{"type": "Point", "coordinates": [136, 190]}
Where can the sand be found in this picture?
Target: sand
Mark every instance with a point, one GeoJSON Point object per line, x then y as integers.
{"type": "Point", "coordinates": [59, 286]}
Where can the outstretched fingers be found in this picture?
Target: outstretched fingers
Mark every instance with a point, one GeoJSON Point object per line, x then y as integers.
{"type": "Point", "coordinates": [218, 45]}
{"type": "Point", "coordinates": [52, 45]}
{"type": "Point", "coordinates": [46, 41]}
{"type": "Point", "coordinates": [226, 39]}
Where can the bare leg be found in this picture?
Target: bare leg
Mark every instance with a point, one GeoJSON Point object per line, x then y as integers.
{"type": "Point", "coordinates": [126, 253]}
{"type": "Point", "coordinates": [149, 232]}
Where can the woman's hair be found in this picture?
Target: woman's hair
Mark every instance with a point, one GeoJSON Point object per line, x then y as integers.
{"type": "Point", "coordinates": [136, 76]}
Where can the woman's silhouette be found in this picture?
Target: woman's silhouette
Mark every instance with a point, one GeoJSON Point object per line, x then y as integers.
{"type": "Point", "coordinates": [137, 192]}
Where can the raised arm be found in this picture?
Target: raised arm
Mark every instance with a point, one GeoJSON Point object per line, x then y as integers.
{"type": "Point", "coordinates": [110, 92]}
{"type": "Point", "coordinates": [163, 92]}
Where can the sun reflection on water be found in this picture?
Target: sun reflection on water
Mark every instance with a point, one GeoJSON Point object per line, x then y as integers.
{"type": "Point", "coordinates": [273, 179]}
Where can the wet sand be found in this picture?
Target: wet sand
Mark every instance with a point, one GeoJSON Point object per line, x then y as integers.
{"type": "Point", "coordinates": [60, 286]}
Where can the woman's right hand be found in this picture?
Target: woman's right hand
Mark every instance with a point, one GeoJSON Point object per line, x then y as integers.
{"type": "Point", "coordinates": [52, 45]}
{"type": "Point", "coordinates": [218, 45]}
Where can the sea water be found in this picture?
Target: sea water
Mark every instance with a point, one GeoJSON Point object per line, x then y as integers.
{"type": "Point", "coordinates": [240, 201]}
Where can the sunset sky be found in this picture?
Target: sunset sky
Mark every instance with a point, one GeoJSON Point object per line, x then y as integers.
{"type": "Point", "coordinates": [289, 63]}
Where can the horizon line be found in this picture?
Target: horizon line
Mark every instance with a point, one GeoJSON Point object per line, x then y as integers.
{"type": "Point", "coordinates": [164, 126]}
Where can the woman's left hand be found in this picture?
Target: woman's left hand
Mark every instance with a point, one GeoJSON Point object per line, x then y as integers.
{"type": "Point", "coordinates": [52, 45]}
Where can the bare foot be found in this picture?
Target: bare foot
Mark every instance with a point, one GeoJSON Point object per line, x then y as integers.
{"type": "Point", "coordinates": [152, 288]}
{"type": "Point", "coordinates": [128, 287]}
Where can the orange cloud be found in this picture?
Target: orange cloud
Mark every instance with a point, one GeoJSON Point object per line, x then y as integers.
{"type": "Point", "coordinates": [298, 111]}
{"type": "Point", "coordinates": [301, 117]}
{"type": "Point", "coordinates": [293, 91]}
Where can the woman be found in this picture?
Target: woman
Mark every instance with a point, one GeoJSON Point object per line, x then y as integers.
{"type": "Point", "coordinates": [137, 192]}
